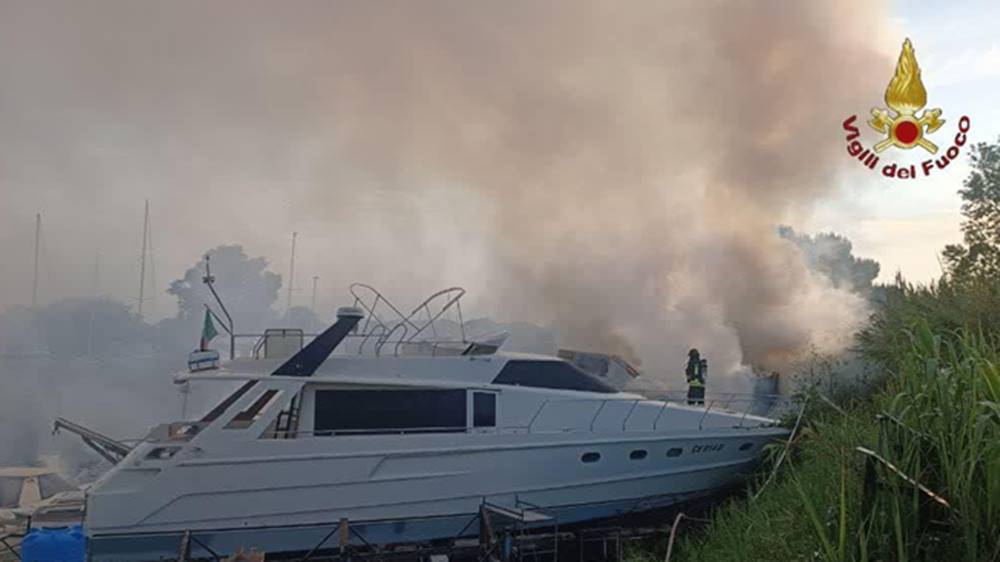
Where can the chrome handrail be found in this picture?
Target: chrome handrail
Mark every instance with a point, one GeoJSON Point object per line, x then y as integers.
{"type": "Point", "coordinates": [722, 405]}
{"type": "Point", "coordinates": [635, 404]}
{"type": "Point", "coordinates": [385, 339]}
{"type": "Point", "coordinates": [364, 339]}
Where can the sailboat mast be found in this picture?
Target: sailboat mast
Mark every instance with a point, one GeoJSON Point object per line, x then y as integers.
{"type": "Point", "coordinates": [291, 274]}
{"type": "Point", "coordinates": [142, 260]}
{"type": "Point", "coordinates": [313, 306]}
{"type": "Point", "coordinates": [97, 275]}
{"type": "Point", "coordinates": [34, 281]}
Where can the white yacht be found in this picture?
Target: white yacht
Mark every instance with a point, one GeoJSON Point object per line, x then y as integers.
{"type": "Point", "coordinates": [404, 447]}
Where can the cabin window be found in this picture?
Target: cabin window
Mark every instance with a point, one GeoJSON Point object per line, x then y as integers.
{"type": "Point", "coordinates": [246, 418]}
{"type": "Point", "coordinates": [389, 411]}
{"type": "Point", "coordinates": [484, 409]}
{"type": "Point", "coordinates": [675, 452]}
{"type": "Point", "coordinates": [10, 491]}
{"type": "Point", "coordinates": [549, 374]}
{"type": "Point", "coordinates": [638, 454]}
{"type": "Point", "coordinates": [746, 446]}
{"type": "Point", "coordinates": [590, 457]}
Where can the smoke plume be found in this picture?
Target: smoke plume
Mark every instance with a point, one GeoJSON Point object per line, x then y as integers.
{"type": "Point", "coordinates": [634, 160]}
{"type": "Point", "coordinates": [616, 170]}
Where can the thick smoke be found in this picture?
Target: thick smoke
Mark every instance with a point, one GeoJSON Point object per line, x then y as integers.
{"type": "Point", "coordinates": [614, 169]}
{"type": "Point", "coordinates": [634, 160]}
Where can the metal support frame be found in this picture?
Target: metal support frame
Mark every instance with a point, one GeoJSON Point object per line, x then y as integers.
{"type": "Point", "coordinates": [491, 547]}
{"type": "Point", "coordinates": [112, 450]}
{"type": "Point", "coordinates": [184, 551]}
{"type": "Point", "coordinates": [8, 547]}
{"type": "Point", "coordinates": [344, 544]}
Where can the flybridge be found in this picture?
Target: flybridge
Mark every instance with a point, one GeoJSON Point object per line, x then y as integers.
{"type": "Point", "coordinates": [373, 325]}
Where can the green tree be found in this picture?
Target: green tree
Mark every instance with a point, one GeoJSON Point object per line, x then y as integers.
{"type": "Point", "coordinates": [978, 258]}
{"type": "Point", "coordinates": [245, 285]}
{"type": "Point", "coordinates": [832, 256]}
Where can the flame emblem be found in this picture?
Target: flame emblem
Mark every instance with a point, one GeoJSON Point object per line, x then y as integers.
{"type": "Point", "coordinates": [906, 96]}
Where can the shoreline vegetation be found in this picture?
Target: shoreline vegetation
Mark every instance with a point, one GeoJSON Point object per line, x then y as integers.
{"type": "Point", "coordinates": [903, 466]}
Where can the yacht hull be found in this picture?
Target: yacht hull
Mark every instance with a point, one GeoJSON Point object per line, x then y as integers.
{"type": "Point", "coordinates": [165, 546]}
{"type": "Point", "coordinates": [446, 512]}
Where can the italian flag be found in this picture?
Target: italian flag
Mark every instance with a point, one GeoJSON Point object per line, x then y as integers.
{"type": "Point", "coordinates": [208, 331]}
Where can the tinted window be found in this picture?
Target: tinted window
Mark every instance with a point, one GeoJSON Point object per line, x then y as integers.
{"type": "Point", "coordinates": [10, 491]}
{"type": "Point", "coordinates": [590, 457]}
{"type": "Point", "coordinates": [484, 409]}
{"type": "Point", "coordinates": [549, 374]}
{"type": "Point", "coordinates": [638, 454]}
{"type": "Point", "coordinates": [367, 410]}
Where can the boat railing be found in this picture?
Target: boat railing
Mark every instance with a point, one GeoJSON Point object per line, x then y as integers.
{"type": "Point", "coordinates": [417, 327]}
{"type": "Point", "coordinates": [401, 327]}
{"type": "Point", "coordinates": [377, 332]}
{"type": "Point", "coordinates": [384, 329]}
{"type": "Point", "coordinates": [754, 410]}
{"type": "Point", "coordinates": [372, 343]}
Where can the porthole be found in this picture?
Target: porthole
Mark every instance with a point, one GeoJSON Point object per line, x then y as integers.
{"type": "Point", "coordinates": [675, 452]}
{"type": "Point", "coordinates": [638, 454]}
{"type": "Point", "coordinates": [590, 457]}
{"type": "Point", "coordinates": [746, 446]}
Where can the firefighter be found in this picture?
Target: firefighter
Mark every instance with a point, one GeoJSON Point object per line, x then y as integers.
{"type": "Point", "coordinates": [695, 372]}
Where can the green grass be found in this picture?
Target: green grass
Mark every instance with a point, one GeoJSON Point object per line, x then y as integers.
{"type": "Point", "coordinates": [935, 415]}
{"type": "Point", "coordinates": [778, 525]}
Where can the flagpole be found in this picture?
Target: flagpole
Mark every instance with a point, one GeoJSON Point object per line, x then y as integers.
{"type": "Point", "coordinates": [209, 280]}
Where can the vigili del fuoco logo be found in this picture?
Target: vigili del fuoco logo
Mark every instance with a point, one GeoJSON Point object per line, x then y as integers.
{"type": "Point", "coordinates": [905, 125]}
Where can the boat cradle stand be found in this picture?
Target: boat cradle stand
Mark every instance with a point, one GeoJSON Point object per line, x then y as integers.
{"type": "Point", "coordinates": [506, 534]}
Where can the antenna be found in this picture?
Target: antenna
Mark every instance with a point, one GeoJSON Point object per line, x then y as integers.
{"type": "Point", "coordinates": [34, 282]}
{"type": "Point", "coordinates": [291, 274]}
{"type": "Point", "coordinates": [142, 260]}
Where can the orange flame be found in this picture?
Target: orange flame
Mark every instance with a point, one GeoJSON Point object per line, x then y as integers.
{"type": "Point", "coordinates": [906, 93]}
